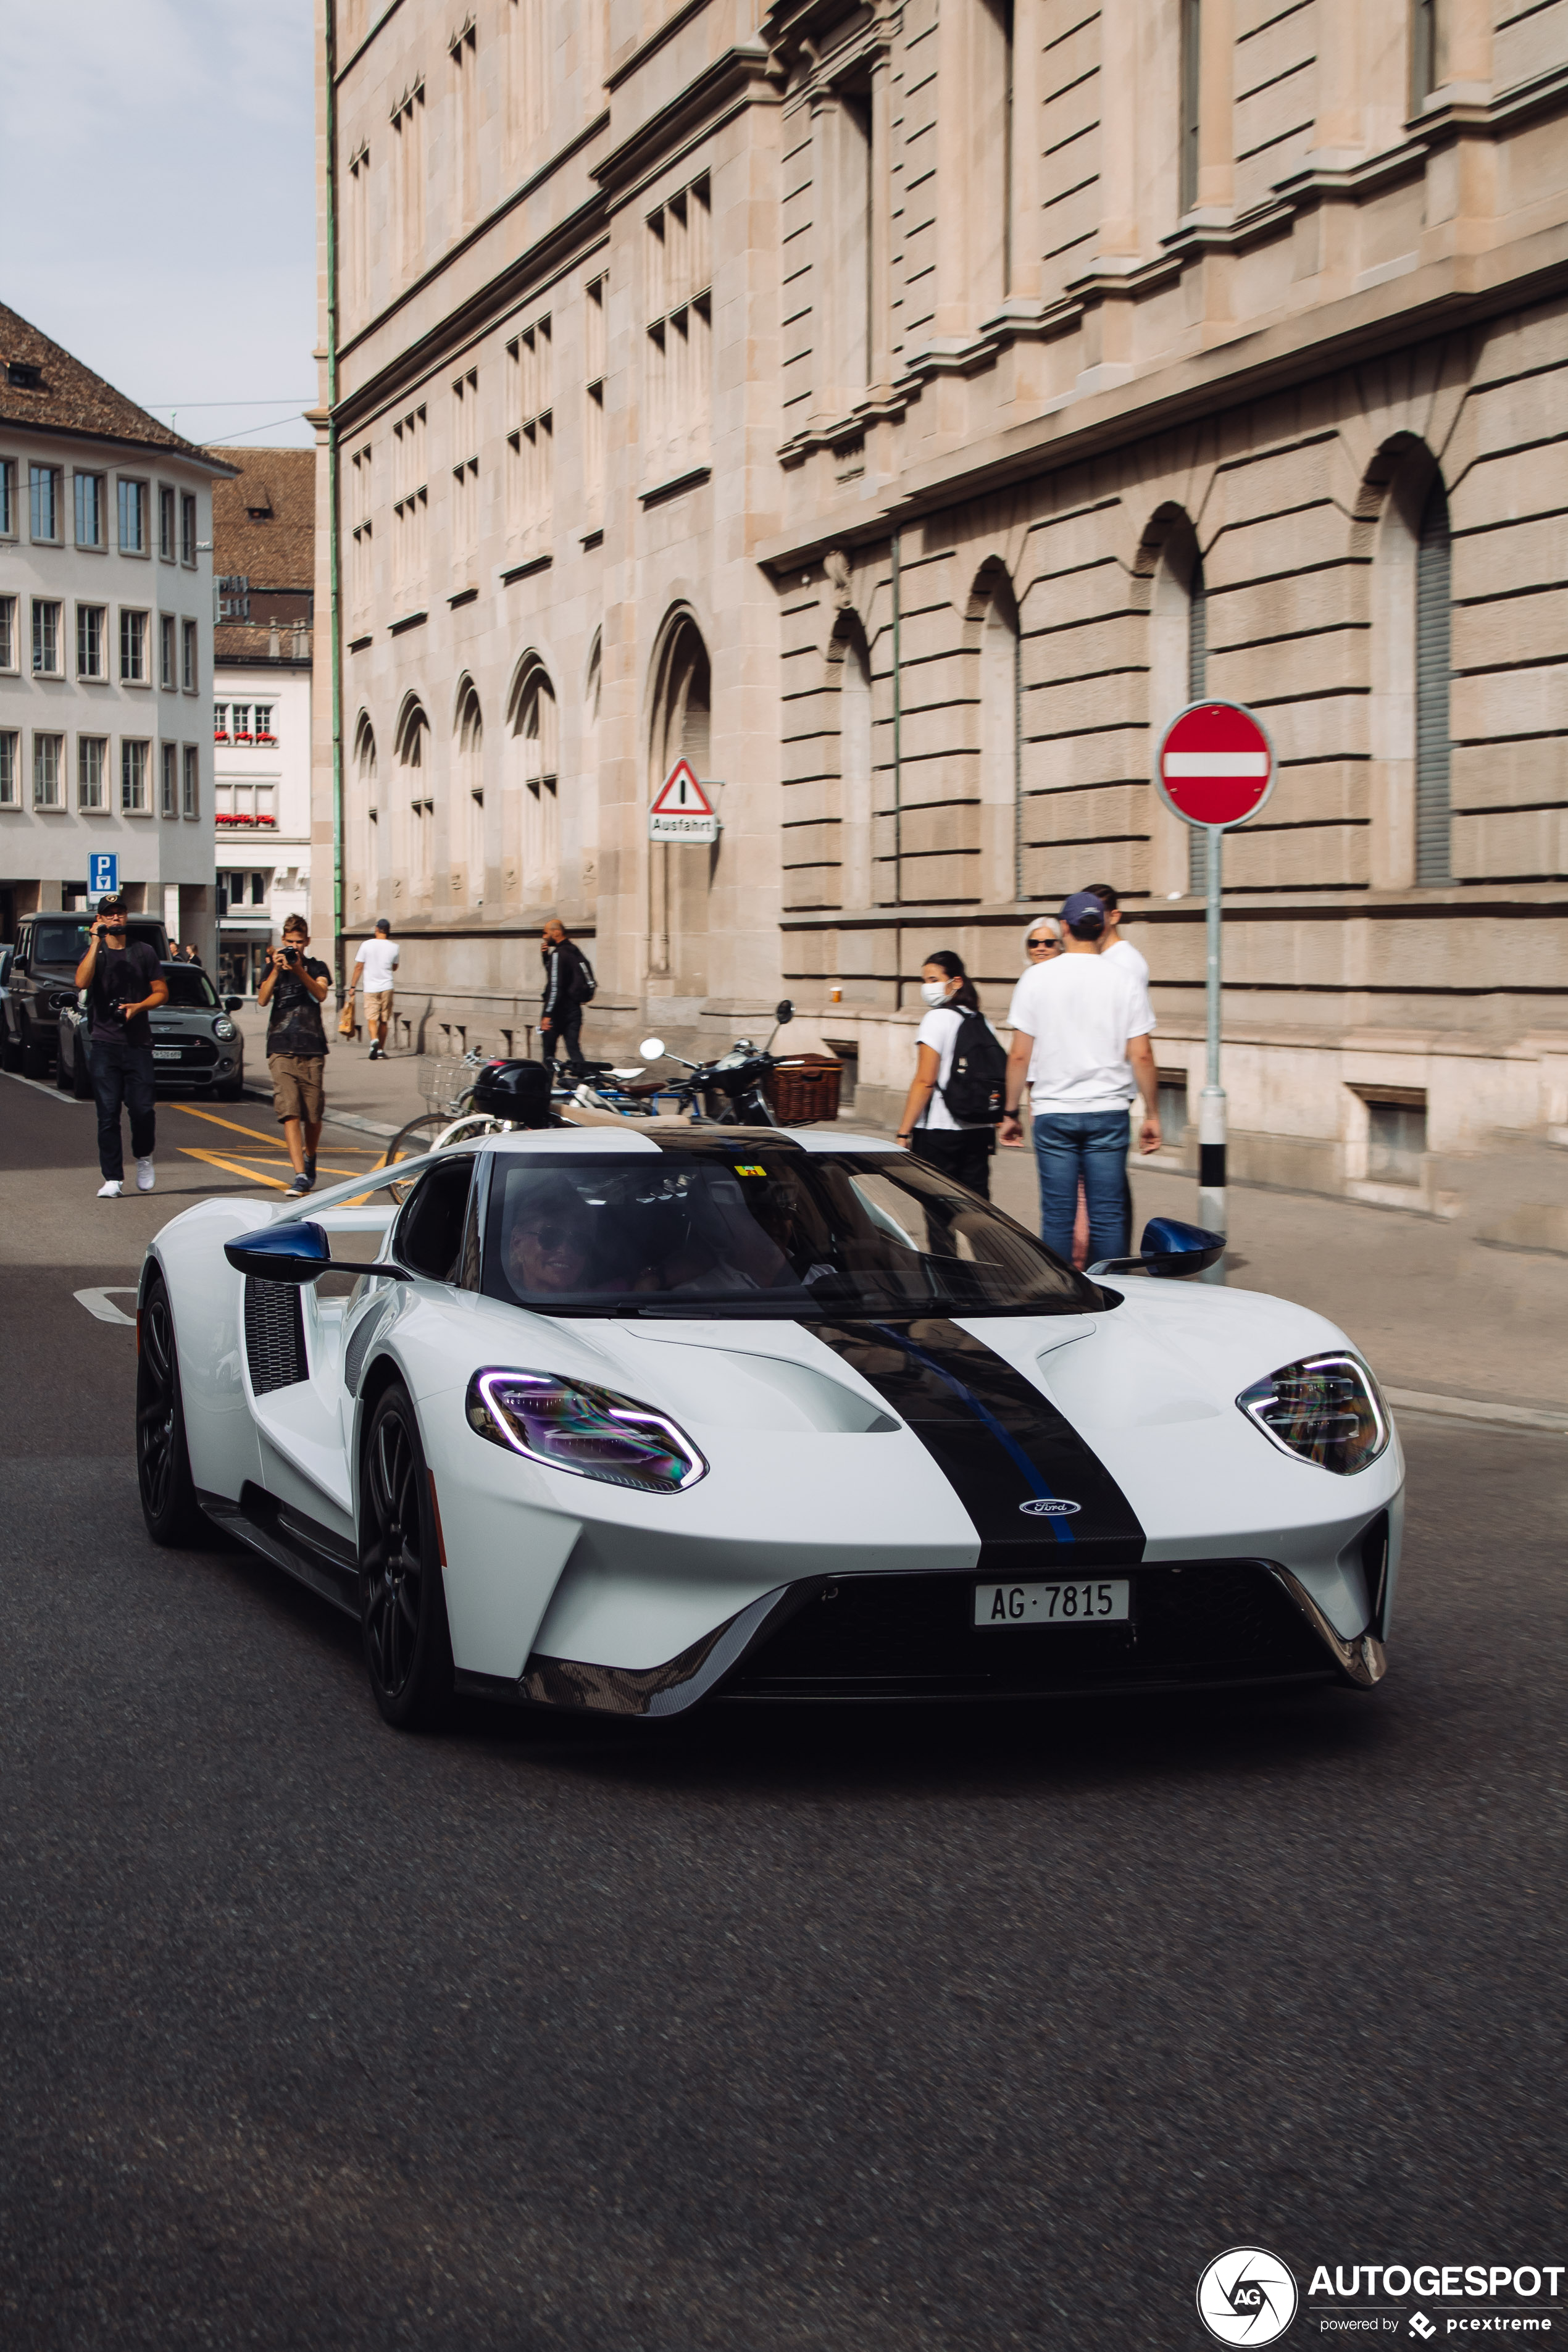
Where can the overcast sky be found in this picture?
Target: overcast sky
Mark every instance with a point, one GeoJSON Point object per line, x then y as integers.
{"type": "Point", "coordinates": [156, 168]}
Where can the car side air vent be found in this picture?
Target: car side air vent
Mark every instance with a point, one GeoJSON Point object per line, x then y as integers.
{"type": "Point", "coordinates": [361, 1340]}
{"type": "Point", "coordinates": [274, 1335]}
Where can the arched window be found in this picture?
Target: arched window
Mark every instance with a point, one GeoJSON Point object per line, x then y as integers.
{"type": "Point", "coordinates": [588, 809]}
{"type": "Point", "coordinates": [680, 876]}
{"type": "Point", "coordinates": [1404, 498]}
{"type": "Point", "coordinates": [535, 736]}
{"type": "Point", "coordinates": [1178, 661]}
{"type": "Point", "coordinates": [855, 865]}
{"type": "Point", "coordinates": [1434, 620]}
{"type": "Point", "coordinates": [1001, 832]}
{"type": "Point", "coordinates": [468, 810]}
{"type": "Point", "coordinates": [360, 861]}
{"type": "Point", "coordinates": [416, 794]}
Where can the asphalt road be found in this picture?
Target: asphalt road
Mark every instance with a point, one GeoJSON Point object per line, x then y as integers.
{"type": "Point", "coordinates": [871, 2031]}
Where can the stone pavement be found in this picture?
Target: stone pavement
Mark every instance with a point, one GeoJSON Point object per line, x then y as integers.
{"type": "Point", "coordinates": [1441, 1311]}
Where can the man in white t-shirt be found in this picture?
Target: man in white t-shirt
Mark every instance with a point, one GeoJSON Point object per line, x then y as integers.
{"type": "Point", "coordinates": [1115, 947]}
{"type": "Point", "coordinates": [373, 967]}
{"type": "Point", "coordinates": [1081, 1039]}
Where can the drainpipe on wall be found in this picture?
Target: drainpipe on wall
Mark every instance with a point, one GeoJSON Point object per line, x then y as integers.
{"type": "Point", "coordinates": [332, 500]}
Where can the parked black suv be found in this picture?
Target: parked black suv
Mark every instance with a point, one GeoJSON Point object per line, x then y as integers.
{"type": "Point", "coordinates": [43, 979]}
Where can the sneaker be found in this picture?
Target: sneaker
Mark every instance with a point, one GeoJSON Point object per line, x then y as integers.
{"type": "Point", "coordinates": [147, 1175]}
{"type": "Point", "coordinates": [375, 1051]}
{"type": "Point", "coordinates": [110, 1189]}
{"type": "Point", "coordinates": [302, 1184]}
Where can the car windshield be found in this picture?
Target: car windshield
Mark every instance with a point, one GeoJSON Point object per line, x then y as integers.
{"type": "Point", "coordinates": [746, 1229]}
{"type": "Point", "coordinates": [190, 991]}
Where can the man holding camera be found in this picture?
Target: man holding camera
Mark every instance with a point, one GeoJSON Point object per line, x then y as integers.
{"type": "Point", "coordinates": [123, 984]}
{"type": "Point", "coordinates": [297, 1045]}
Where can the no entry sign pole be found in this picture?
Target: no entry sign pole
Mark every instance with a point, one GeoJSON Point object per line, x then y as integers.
{"type": "Point", "coordinates": [1215, 770]}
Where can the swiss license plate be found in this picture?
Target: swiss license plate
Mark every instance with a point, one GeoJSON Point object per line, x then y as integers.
{"type": "Point", "coordinates": [1097, 1601]}
{"type": "Point", "coordinates": [167, 1052]}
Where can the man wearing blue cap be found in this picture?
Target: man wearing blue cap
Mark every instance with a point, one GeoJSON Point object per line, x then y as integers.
{"type": "Point", "coordinates": [1080, 1029]}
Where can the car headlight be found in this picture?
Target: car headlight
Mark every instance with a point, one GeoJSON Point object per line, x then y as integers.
{"type": "Point", "coordinates": [1325, 1409]}
{"type": "Point", "coordinates": [568, 1425]}
{"type": "Point", "coordinates": [224, 1029]}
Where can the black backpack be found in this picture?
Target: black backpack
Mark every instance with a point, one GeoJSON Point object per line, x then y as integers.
{"type": "Point", "coordinates": [976, 1090]}
{"type": "Point", "coordinates": [587, 986]}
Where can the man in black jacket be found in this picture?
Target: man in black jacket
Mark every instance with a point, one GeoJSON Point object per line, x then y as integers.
{"type": "Point", "coordinates": [123, 984]}
{"type": "Point", "coordinates": [567, 987]}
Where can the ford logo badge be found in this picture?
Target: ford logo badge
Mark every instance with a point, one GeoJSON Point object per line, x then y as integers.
{"type": "Point", "coordinates": [1050, 1506]}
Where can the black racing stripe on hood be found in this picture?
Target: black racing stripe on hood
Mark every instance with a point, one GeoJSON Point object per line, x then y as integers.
{"type": "Point", "coordinates": [999, 1441]}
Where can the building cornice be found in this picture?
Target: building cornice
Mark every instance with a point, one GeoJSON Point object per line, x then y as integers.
{"type": "Point", "coordinates": [1437, 298]}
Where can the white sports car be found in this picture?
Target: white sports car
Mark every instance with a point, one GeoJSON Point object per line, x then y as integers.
{"type": "Point", "coordinates": [628, 1416]}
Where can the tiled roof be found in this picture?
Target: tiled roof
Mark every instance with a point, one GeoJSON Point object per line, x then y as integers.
{"type": "Point", "coordinates": [252, 641]}
{"type": "Point", "coordinates": [42, 386]}
{"type": "Point", "coordinates": [275, 545]}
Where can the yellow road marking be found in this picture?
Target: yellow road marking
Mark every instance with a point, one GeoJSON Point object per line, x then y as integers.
{"type": "Point", "coordinates": [262, 1135]}
{"type": "Point", "coordinates": [216, 1159]}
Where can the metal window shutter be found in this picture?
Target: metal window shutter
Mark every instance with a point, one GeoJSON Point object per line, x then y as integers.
{"type": "Point", "coordinates": [1197, 686]}
{"type": "Point", "coordinates": [1433, 670]}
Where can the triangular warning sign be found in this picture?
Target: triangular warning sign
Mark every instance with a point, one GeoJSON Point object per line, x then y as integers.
{"type": "Point", "coordinates": [682, 795]}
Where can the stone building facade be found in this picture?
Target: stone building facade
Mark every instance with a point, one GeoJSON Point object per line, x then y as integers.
{"type": "Point", "coordinates": [902, 412]}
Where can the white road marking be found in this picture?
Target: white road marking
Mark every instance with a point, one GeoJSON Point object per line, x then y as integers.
{"type": "Point", "coordinates": [39, 1088]}
{"type": "Point", "coordinates": [97, 1302]}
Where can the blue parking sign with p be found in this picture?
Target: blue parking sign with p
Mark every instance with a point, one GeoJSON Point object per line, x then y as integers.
{"type": "Point", "coordinates": [103, 874]}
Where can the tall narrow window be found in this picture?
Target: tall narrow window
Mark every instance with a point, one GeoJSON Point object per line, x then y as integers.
{"type": "Point", "coordinates": [468, 799]}
{"type": "Point", "coordinates": [187, 528]}
{"type": "Point", "coordinates": [91, 762]}
{"type": "Point", "coordinates": [360, 574]}
{"type": "Point", "coordinates": [419, 805]}
{"type": "Point", "coordinates": [595, 348]}
{"type": "Point", "coordinates": [679, 340]}
{"type": "Point", "coordinates": [1433, 672]}
{"type": "Point", "coordinates": [10, 768]}
{"type": "Point", "coordinates": [1191, 86]}
{"type": "Point", "coordinates": [538, 731]}
{"type": "Point", "coordinates": [91, 631]}
{"type": "Point", "coordinates": [845, 129]}
{"type": "Point", "coordinates": [189, 681]}
{"type": "Point", "coordinates": [48, 660]}
{"type": "Point", "coordinates": [169, 778]}
{"type": "Point", "coordinates": [1000, 842]}
{"type": "Point", "coordinates": [528, 70]}
{"type": "Point", "coordinates": [10, 653]}
{"type": "Point", "coordinates": [132, 518]}
{"type": "Point", "coordinates": [408, 147]}
{"type": "Point", "coordinates": [133, 777]}
{"type": "Point", "coordinates": [89, 517]}
{"type": "Point", "coordinates": [356, 236]}
{"type": "Point", "coordinates": [465, 476]}
{"type": "Point", "coordinates": [990, 151]}
{"type": "Point", "coordinates": [44, 494]}
{"type": "Point", "coordinates": [133, 648]}
{"type": "Point", "coordinates": [48, 760]}
{"type": "Point", "coordinates": [167, 543]}
{"type": "Point", "coordinates": [588, 768]}
{"type": "Point", "coordinates": [531, 445]}
{"type": "Point", "coordinates": [465, 110]}
{"type": "Point", "coordinates": [191, 787]}
{"type": "Point", "coordinates": [359, 876]}
{"type": "Point", "coordinates": [1197, 687]}
{"type": "Point", "coordinates": [166, 652]}
{"type": "Point", "coordinates": [410, 500]}
{"type": "Point", "coordinates": [1427, 64]}
{"type": "Point", "coordinates": [7, 498]}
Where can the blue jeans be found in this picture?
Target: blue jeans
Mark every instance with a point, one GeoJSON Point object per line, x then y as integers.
{"type": "Point", "coordinates": [1091, 1144]}
{"type": "Point", "coordinates": [122, 1074]}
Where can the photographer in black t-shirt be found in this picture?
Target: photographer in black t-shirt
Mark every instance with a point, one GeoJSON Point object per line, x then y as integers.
{"type": "Point", "coordinates": [123, 984]}
{"type": "Point", "coordinates": [297, 1045]}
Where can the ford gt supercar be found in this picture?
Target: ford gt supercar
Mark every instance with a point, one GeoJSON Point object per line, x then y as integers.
{"type": "Point", "coordinates": [623, 1420]}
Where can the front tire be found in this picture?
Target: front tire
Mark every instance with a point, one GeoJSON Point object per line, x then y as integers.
{"type": "Point", "coordinates": [164, 1477]}
{"type": "Point", "coordinates": [403, 1600]}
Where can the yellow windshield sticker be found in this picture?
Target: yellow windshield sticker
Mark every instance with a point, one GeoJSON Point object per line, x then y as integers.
{"type": "Point", "coordinates": [750, 1171]}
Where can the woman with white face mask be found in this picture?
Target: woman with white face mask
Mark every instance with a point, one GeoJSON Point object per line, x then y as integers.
{"type": "Point", "coordinates": [928, 1126]}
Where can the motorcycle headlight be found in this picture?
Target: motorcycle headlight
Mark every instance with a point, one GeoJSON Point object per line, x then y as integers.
{"type": "Point", "coordinates": [1325, 1409]}
{"type": "Point", "coordinates": [224, 1029]}
{"type": "Point", "coordinates": [568, 1425]}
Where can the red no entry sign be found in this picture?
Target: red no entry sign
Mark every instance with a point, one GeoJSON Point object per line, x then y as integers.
{"type": "Point", "coordinates": [1217, 765]}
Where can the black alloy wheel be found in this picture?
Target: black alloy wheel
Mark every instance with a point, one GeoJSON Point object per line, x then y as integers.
{"type": "Point", "coordinates": [168, 1492]}
{"type": "Point", "coordinates": [403, 1601]}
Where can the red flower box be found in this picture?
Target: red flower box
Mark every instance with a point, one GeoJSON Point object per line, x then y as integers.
{"type": "Point", "coordinates": [220, 735]}
{"type": "Point", "coordinates": [245, 738]}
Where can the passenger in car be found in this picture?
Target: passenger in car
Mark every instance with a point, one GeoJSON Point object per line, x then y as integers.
{"type": "Point", "coordinates": [550, 1248]}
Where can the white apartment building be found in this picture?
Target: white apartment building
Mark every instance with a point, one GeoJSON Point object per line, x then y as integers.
{"type": "Point", "coordinates": [264, 521]}
{"type": "Point", "coordinates": [106, 638]}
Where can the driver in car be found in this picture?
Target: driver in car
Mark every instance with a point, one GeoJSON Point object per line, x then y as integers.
{"type": "Point", "coordinates": [550, 1248]}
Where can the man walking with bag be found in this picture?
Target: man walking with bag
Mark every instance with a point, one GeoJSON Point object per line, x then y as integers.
{"type": "Point", "coordinates": [569, 986]}
{"type": "Point", "coordinates": [123, 984]}
{"type": "Point", "coordinates": [297, 1046]}
{"type": "Point", "coordinates": [1081, 1040]}
{"type": "Point", "coordinates": [373, 967]}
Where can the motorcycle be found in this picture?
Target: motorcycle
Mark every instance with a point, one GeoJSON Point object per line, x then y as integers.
{"type": "Point", "coordinates": [729, 1092]}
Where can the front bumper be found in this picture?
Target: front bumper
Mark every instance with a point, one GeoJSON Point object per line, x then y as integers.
{"type": "Point", "coordinates": [1202, 1624]}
